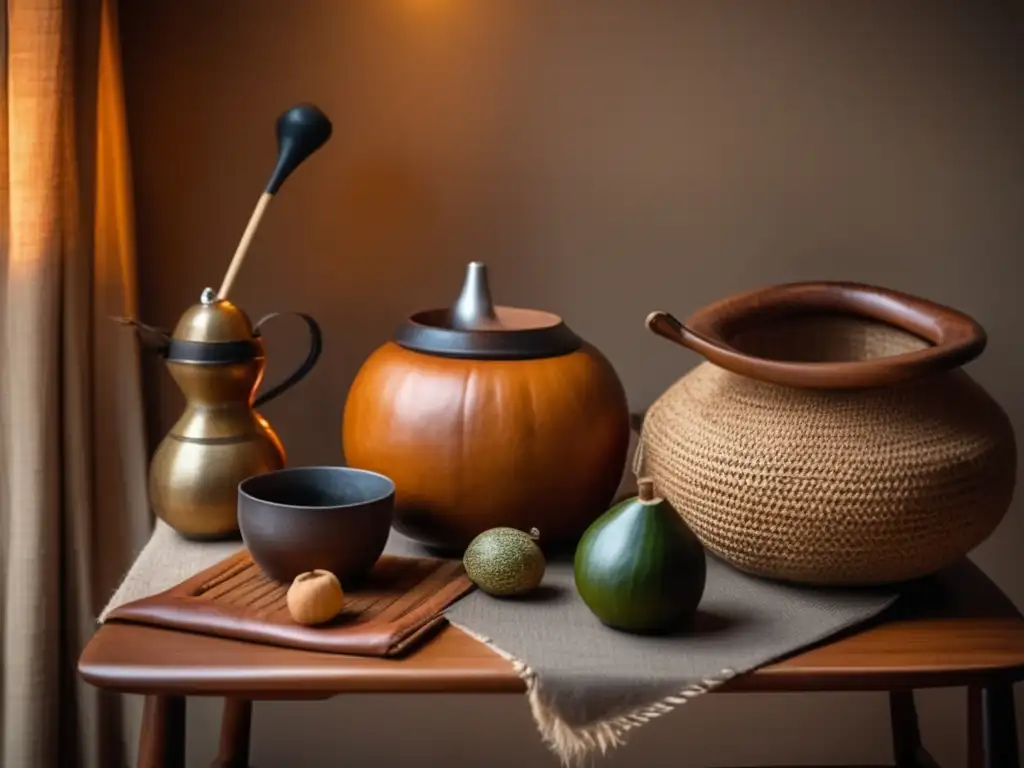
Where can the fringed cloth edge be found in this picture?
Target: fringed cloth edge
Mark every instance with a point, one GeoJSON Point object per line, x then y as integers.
{"type": "Point", "coordinates": [574, 744]}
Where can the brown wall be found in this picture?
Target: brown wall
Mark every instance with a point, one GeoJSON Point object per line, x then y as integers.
{"type": "Point", "coordinates": [605, 159]}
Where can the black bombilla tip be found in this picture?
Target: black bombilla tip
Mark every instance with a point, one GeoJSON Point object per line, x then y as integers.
{"type": "Point", "coordinates": [301, 131]}
{"type": "Point", "coordinates": [305, 122]}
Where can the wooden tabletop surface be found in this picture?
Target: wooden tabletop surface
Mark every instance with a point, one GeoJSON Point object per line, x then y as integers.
{"type": "Point", "coordinates": [955, 629]}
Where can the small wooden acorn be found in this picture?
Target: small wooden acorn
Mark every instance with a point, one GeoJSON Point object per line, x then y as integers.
{"type": "Point", "coordinates": [315, 597]}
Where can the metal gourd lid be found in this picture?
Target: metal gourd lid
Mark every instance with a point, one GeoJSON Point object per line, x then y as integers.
{"type": "Point", "coordinates": [475, 328]}
{"type": "Point", "coordinates": [213, 331]}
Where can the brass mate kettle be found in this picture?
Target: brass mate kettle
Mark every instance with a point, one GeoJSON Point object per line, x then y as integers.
{"type": "Point", "coordinates": [215, 354]}
{"type": "Point", "coordinates": [216, 357]}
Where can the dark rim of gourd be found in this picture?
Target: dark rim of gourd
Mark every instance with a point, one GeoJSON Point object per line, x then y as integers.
{"type": "Point", "coordinates": [430, 332]}
{"type": "Point", "coordinates": [474, 327]}
{"type": "Point", "coordinates": [954, 338]}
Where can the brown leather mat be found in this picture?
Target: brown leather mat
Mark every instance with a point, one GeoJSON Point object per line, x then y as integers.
{"type": "Point", "coordinates": [398, 604]}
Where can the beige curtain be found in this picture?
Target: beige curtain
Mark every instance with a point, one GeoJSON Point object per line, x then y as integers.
{"type": "Point", "coordinates": [72, 454]}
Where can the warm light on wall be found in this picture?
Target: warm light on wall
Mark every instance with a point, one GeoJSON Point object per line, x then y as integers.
{"type": "Point", "coordinates": [430, 7]}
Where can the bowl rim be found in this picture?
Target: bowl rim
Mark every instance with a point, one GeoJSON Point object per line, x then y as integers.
{"type": "Point", "coordinates": [288, 470]}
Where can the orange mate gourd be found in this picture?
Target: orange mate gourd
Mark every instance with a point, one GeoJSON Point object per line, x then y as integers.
{"type": "Point", "coordinates": [488, 416]}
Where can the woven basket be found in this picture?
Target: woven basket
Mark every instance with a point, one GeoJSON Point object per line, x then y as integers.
{"type": "Point", "coordinates": [819, 480]}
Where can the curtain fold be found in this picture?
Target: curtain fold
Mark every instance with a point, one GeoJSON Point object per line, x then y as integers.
{"type": "Point", "coordinates": [74, 509]}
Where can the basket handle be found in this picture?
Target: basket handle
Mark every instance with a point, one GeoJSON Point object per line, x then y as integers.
{"type": "Point", "coordinates": [955, 338]}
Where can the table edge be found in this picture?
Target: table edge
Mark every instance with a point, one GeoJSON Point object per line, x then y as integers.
{"type": "Point", "coordinates": [291, 684]}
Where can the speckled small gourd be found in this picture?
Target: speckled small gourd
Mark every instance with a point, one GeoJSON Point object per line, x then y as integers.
{"type": "Point", "coordinates": [315, 597]}
{"type": "Point", "coordinates": [505, 562]}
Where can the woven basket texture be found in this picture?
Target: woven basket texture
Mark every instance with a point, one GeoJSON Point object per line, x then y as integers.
{"type": "Point", "coordinates": [832, 487]}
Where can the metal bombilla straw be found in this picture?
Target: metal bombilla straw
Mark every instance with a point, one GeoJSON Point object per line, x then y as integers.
{"type": "Point", "coordinates": [301, 131]}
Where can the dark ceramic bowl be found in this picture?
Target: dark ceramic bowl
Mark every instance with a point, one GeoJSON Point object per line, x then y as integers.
{"type": "Point", "coordinates": [297, 519]}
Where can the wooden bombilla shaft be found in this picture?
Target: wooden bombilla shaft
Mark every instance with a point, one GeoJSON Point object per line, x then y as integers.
{"type": "Point", "coordinates": [301, 131]}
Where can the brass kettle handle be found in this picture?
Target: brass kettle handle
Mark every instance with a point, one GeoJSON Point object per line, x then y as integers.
{"type": "Point", "coordinates": [315, 348]}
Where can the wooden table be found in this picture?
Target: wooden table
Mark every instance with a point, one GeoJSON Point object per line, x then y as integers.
{"type": "Point", "coordinates": [957, 629]}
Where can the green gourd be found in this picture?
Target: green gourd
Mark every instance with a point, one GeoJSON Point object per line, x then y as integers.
{"type": "Point", "coordinates": [639, 568]}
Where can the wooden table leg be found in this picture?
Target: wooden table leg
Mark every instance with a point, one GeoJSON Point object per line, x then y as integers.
{"type": "Point", "coordinates": [162, 738]}
{"type": "Point", "coordinates": [907, 748]}
{"type": "Point", "coordinates": [906, 734]}
{"type": "Point", "coordinates": [992, 728]}
{"type": "Point", "coordinates": [975, 731]}
{"type": "Point", "coordinates": [235, 727]}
